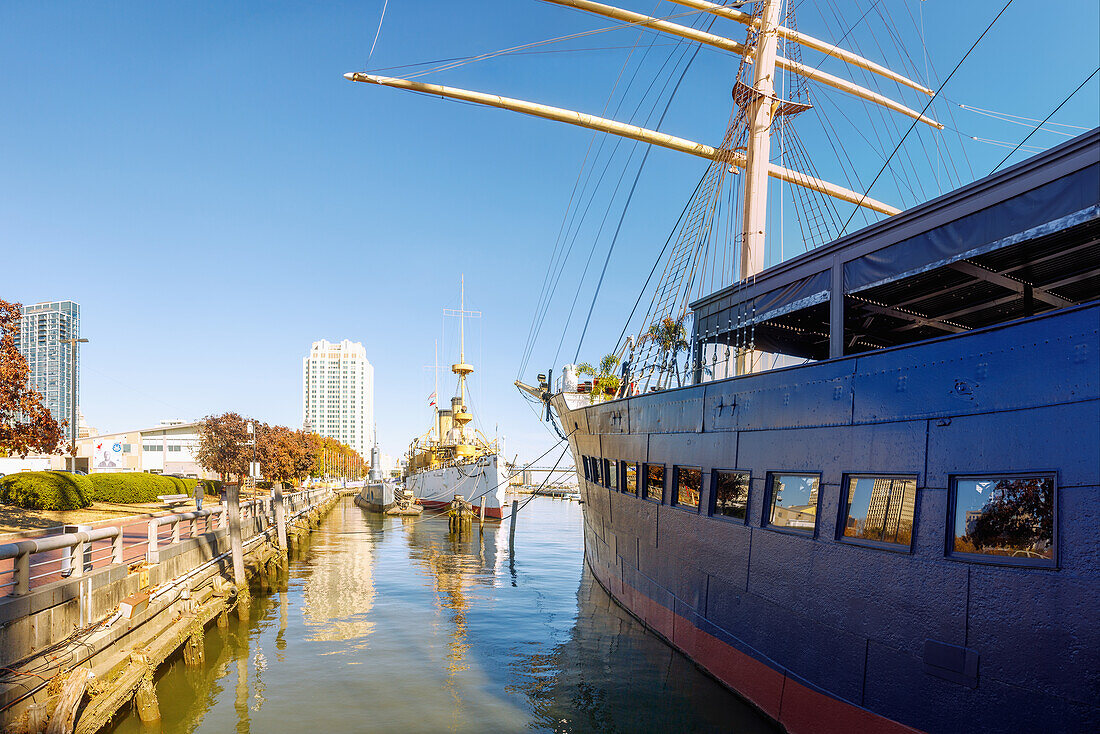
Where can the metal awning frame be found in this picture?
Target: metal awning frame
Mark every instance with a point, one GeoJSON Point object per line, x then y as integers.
{"type": "Point", "coordinates": [1059, 162]}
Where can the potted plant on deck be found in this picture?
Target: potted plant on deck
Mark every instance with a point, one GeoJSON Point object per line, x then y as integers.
{"type": "Point", "coordinates": [604, 382]}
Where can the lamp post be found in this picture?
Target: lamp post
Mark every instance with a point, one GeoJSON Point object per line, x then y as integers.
{"type": "Point", "coordinates": [72, 398]}
{"type": "Point", "coordinates": [252, 468]}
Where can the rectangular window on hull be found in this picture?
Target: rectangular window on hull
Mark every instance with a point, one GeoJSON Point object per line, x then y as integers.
{"type": "Point", "coordinates": [611, 474]}
{"type": "Point", "coordinates": [731, 494]}
{"type": "Point", "coordinates": [689, 483]}
{"type": "Point", "coordinates": [630, 478]}
{"type": "Point", "coordinates": [596, 470]}
{"type": "Point", "coordinates": [1004, 519]}
{"type": "Point", "coordinates": [654, 482]}
{"type": "Point", "coordinates": [792, 502]}
{"type": "Point", "coordinates": [586, 462]}
{"type": "Point", "coordinates": [880, 509]}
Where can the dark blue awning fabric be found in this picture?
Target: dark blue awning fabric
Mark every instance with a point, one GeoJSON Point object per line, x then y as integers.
{"type": "Point", "coordinates": [791, 297]}
{"type": "Point", "coordinates": [1077, 194]}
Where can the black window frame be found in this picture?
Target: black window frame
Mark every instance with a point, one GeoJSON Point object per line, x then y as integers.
{"type": "Point", "coordinates": [769, 498]}
{"type": "Point", "coordinates": [712, 503]}
{"type": "Point", "coordinates": [643, 489]}
{"type": "Point", "coordinates": [845, 508]}
{"type": "Point", "coordinates": [587, 468]}
{"type": "Point", "coordinates": [637, 474]}
{"type": "Point", "coordinates": [607, 472]}
{"type": "Point", "coordinates": [988, 559]}
{"type": "Point", "coordinates": [597, 465]}
{"type": "Point", "coordinates": [674, 488]}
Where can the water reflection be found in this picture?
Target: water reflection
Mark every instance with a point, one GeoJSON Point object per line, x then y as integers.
{"type": "Point", "coordinates": [339, 588]}
{"type": "Point", "coordinates": [396, 625]}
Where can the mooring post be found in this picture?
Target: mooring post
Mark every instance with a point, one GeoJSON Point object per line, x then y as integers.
{"type": "Point", "coordinates": [233, 507]}
{"type": "Point", "coordinates": [512, 526]}
{"type": "Point", "coordinates": [280, 514]}
{"type": "Point", "coordinates": [481, 516]}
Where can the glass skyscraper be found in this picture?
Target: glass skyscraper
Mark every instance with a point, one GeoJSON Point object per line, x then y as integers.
{"type": "Point", "coordinates": [42, 331]}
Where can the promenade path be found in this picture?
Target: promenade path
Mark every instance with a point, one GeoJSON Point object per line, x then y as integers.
{"type": "Point", "coordinates": [46, 567]}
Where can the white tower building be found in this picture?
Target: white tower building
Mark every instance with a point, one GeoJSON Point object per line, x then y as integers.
{"type": "Point", "coordinates": [338, 393]}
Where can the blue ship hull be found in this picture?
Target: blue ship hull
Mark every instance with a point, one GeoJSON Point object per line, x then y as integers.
{"type": "Point", "coordinates": [827, 635]}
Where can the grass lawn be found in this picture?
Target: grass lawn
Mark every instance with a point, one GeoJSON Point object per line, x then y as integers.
{"type": "Point", "coordinates": [17, 519]}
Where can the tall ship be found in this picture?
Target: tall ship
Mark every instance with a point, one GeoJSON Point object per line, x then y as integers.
{"type": "Point", "coordinates": [453, 458]}
{"type": "Point", "coordinates": [858, 486]}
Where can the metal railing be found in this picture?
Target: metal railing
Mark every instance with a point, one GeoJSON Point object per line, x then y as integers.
{"type": "Point", "coordinates": [79, 553]}
{"type": "Point", "coordinates": [77, 545]}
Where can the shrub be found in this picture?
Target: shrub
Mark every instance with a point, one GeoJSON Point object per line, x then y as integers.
{"type": "Point", "coordinates": [46, 490]}
{"type": "Point", "coordinates": [212, 487]}
{"type": "Point", "coordinates": [130, 488]}
{"type": "Point", "coordinates": [137, 487]}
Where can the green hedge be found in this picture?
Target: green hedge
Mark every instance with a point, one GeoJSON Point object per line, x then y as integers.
{"type": "Point", "coordinates": [212, 487]}
{"type": "Point", "coordinates": [136, 487]}
{"type": "Point", "coordinates": [46, 490]}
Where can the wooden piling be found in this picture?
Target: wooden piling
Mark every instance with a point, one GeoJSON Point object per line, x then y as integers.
{"type": "Point", "coordinates": [481, 515]}
{"type": "Point", "coordinates": [64, 714]}
{"type": "Point", "coordinates": [244, 605]}
{"type": "Point", "coordinates": [233, 506]}
{"type": "Point", "coordinates": [280, 515]}
{"type": "Point", "coordinates": [145, 698]}
{"type": "Point", "coordinates": [194, 651]}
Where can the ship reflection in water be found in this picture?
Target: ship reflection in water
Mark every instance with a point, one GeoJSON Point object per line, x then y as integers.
{"type": "Point", "coordinates": [395, 625]}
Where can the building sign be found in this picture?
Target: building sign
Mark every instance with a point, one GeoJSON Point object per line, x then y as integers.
{"type": "Point", "coordinates": [108, 455]}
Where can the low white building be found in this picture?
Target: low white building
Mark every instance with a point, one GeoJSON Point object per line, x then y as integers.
{"type": "Point", "coordinates": [167, 448]}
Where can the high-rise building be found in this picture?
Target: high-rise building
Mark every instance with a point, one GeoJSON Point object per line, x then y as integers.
{"type": "Point", "coordinates": [42, 329]}
{"type": "Point", "coordinates": [338, 393]}
{"type": "Point", "coordinates": [890, 511]}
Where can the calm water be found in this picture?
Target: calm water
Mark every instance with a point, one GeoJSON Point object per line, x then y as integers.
{"type": "Point", "coordinates": [393, 625]}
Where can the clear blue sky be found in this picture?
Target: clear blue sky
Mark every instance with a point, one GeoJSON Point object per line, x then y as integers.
{"type": "Point", "coordinates": [205, 183]}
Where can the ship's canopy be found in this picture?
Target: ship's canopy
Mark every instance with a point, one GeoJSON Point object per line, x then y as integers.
{"type": "Point", "coordinates": [1016, 243]}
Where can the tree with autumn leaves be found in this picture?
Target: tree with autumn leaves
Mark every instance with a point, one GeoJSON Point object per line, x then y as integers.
{"type": "Point", "coordinates": [285, 455]}
{"type": "Point", "coordinates": [332, 458]}
{"type": "Point", "coordinates": [26, 425]}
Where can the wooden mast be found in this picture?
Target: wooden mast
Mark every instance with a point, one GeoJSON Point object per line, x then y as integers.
{"type": "Point", "coordinates": [602, 124]}
{"type": "Point", "coordinates": [759, 116]}
{"type": "Point", "coordinates": [809, 41]}
{"type": "Point", "coordinates": [754, 220]}
{"type": "Point", "coordinates": [726, 44]}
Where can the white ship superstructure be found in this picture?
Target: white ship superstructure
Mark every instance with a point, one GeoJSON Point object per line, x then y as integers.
{"type": "Point", "coordinates": [484, 478]}
{"type": "Point", "coordinates": [453, 458]}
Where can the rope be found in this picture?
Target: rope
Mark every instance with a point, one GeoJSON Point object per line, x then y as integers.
{"type": "Point", "coordinates": [1067, 99]}
{"type": "Point", "coordinates": [377, 32]}
{"type": "Point", "coordinates": [626, 206]}
{"type": "Point", "coordinates": [926, 106]}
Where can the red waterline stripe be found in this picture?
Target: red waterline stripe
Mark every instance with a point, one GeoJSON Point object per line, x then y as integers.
{"type": "Point", "coordinates": [799, 708]}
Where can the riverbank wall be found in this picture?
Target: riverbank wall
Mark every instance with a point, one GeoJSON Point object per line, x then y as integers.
{"type": "Point", "coordinates": [123, 620]}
